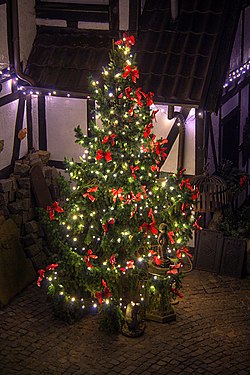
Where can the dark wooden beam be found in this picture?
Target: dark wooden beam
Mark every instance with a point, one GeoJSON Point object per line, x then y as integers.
{"type": "Point", "coordinates": [114, 15]}
{"type": "Point", "coordinates": [9, 98]}
{"type": "Point", "coordinates": [57, 164]}
{"type": "Point", "coordinates": [134, 16]}
{"type": "Point", "coordinates": [42, 131]}
{"type": "Point", "coordinates": [199, 144]}
{"type": "Point", "coordinates": [29, 122]}
{"type": "Point", "coordinates": [73, 12]}
{"type": "Point", "coordinates": [18, 127]}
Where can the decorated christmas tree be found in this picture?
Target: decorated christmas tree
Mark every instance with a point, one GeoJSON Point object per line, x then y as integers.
{"type": "Point", "coordinates": [120, 223]}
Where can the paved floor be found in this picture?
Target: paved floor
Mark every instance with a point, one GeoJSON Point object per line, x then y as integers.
{"type": "Point", "coordinates": [210, 336]}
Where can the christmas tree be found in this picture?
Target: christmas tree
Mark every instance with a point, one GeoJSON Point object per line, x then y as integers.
{"type": "Point", "coordinates": [119, 218]}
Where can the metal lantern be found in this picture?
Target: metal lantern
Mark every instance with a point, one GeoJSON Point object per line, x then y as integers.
{"type": "Point", "coordinates": [213, 193]}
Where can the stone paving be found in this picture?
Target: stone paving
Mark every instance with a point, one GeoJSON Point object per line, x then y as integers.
{"type": "Point", "coordinates": [210, 336]}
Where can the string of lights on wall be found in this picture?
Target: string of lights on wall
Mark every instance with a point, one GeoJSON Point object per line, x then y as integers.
{"type": "Point", "coordinates": [9, 74]}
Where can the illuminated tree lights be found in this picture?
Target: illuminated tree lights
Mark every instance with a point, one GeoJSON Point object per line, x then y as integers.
{"type": "Point", "coordinates": [107, 229]}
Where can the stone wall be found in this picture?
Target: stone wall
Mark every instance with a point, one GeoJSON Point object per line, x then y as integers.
{"type": "Point", "coordinates": [17, 202]}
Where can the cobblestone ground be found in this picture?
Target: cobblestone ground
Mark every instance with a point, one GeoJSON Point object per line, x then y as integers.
{"type": "Point", "coordinates": [210, 336]}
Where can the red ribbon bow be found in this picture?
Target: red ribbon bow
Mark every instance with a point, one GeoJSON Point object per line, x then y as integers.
{"type": "Point", "coordinates": [149, 97]}
{"type": "Point", "coordinates": [147, 130]}
{"type": "Point", "coordinates": [243, 180]}
{"type": "Point", "coordinates": [107, 155]}
{"type": "Point", "coordinates": [174, 269]}
{"type": "Point", "coordinates": [41, 272]}
{"type": "Point", "coordinates": [91, 190]}
{"type": "Point", "coordinates": [184, 249]}
{"type": "Point", "coordinates": [149, 227]}
{"type": "Point", "coordinates": [133, 170]}
{"type": "Point", "coordinates": [196, 225]}
{"type": "Point", "coordinates": [117, 193]}
{"type": "Point", "coordinates": [104, 294]}
{"type": "Point", "coordinates": [176, 292]}
{"type": "Point", "coordinates": [88, 257]}
{"type": "Point", "coordinates": [130, 264]}
{"type": "Point", "coordinates": [112, 260]}
{"type": "Point", "coordinates": [186, 183]}
{"type": "Point", "coordinates": [170, 236]}
{"type": "Point", "coordinates": [157, 261]}
{"type": "Point", "coordinates": [128, 91]}
{"type": "Point", "coordinates": [110, 138]}
{"type": "Point", "coordinates": [154, 113]}
{"type": "Point", "coordinates": [133, 72]}
{"type": "Point", "coordinates": [54, 207]}
{"type": "Point", "coordinates": [161, 150]}
{"type": "Point", "coordinates": [127, 40]}
{"type": "Point", "coordinates": [105, 225]}
{"type": "Point", "coordinates": [155, 168]}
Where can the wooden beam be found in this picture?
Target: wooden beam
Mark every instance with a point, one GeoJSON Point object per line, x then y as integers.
{"type": "Point", "coordinates": [9, 98]}
{"type": "Point", "coordinates": [114, 15]}
{"type": "Point", "coordinates": [73, 12]}
{"type": "Point", "coordinates": [29, 122]}
{"type": "Point", "coordinates": [18, 127]}
{"type": "Point", "coordinates": [42, 131]}
{"type": "Point", "coordinates": [134, 16]}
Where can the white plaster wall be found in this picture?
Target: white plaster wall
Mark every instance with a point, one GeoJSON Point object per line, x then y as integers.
{"type": "Point", "coordinates": [24, 142]}
{"type": "Point", "coordinates": [62, 116]}
{"type": "Point", "coordinates": [124, 14]}
{"type": "Point", "coordinates": [229, 105]}
{"type": "Point", "coordinates": [34, 111]}
{"type": "Point", "coordinates": [27, 27]}
{"type": "Point", "coordinates": [4, 57]}
{"type": "Point", "coordinates": [162, 127]}
{"type": "Point", "coordinates": [6, 88]}
{"type": "Point", "coordinates": [7, 130]}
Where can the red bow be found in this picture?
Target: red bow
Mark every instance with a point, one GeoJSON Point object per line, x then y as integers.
{"type": "Point", "coordinates": [88, 257]}
{"type": "Point", "coordinates": [100, 154]}
{"type": "Point", "coordinates": [196, 225]}
{"type": "Point", "coordinates": [157, 261]}
{"type": "Point", "coordinates": [117, 193]}
{"type": "Point", "coordinates": [127, 40]}
{"type": "Point", "coordinates": [133, 170]}
{"type": "Point", "coordinates": [104, 294]}
{"type": "Point", "coordinates": [54, 207]}
{"type": "Point", "coordinates": [174, 269]}
{"type": "Point", "coordinates": [155, 168]}
{"type": "Point", "coordinates": [139, 95]}
{"type": "Point", "coordinates": [134, 73]}
{"type": "Point", "coordinates": [149, 97]}
{"type": "Point", "coordinates": [147, 130]}
{"type": "Point", "coordinates": [175, 291]}
{"type": "Point", "coordinates": [144, 149]}
{"type": "Point", "coordinates": [183, 250]}
{"type": "Point", "coordinates": [151, 252]}
{"type": "Point", "coordinates": [112, 260]}
{"type": "Point", "coordinates": [128, 91]}
{"type": "Point", "coordinates": [186, 183]}
{"type": "Point", "coordinates": [154, 113]}
{"type": "Point", "coordinates": [181, 171]}
{"type": "Point", "coordinates": [110, 138]}
{"type": "Point", "coordinates": [184, 206]}
{"type": "Point", "coordinates": [243, 180]}
{"type": "Point", "coordinates": [149, 227]}
{"type": "Point", "coordinates": [41, 272]}
{"type": "Point", "coordinates": [195, 194]}
{"type": "Point", "coordinates": [91, 190]}
{"type": "Point", "coordinates": [130, 264]}
{"type": "Point", "coordinates": [170, 236]}
{"type": "Point", "coordinates": [105, 225]}
{"type": "Point", "coordinates": [161, 150]}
